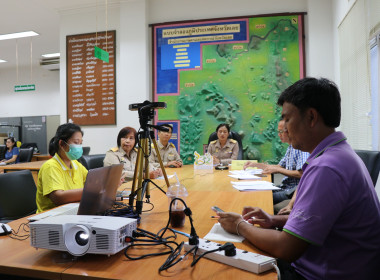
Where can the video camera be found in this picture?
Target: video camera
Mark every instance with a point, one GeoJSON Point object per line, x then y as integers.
{"type": "Point", "coordinates": [146, 111]}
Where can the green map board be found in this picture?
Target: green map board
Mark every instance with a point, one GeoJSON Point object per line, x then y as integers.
{"type": "Point", "coordinates": [227, 71]}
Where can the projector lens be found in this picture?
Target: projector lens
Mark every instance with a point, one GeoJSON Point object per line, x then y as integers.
{"type": "Point", "coordinates": [81, 238]}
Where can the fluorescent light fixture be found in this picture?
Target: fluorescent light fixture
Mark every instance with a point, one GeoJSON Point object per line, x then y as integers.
{"type": "Point", "coordinates": [18, 35]}
{"type": "Point", "coordinates": [51, 55]}
{"type": "Point", "coordinates": [1, 60]}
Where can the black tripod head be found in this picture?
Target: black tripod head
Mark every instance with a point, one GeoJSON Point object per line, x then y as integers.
{"type": "Point", "coordinates": [146, 112]}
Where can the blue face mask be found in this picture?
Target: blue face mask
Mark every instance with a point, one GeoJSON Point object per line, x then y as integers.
{"type": "Point", "coordinates": [75, 152]}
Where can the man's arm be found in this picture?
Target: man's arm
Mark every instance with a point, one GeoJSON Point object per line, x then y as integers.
{"type": "Point", "coordinates": [288, 208]}
{"type": "Point", "coordinates": [269, 169]}
{"type": "Point", "coordinates": [277, 243]}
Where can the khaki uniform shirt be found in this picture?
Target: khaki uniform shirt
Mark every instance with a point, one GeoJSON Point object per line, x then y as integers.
{"type": "Point", "coordinates": [117, 155]}
{"type": "Point", "coordinates": [168, 153]}
{"type": "Point", "coordinates": [226, 154]}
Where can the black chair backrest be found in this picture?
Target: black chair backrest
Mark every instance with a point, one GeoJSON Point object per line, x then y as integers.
{"type": "Point", "coordinates": [92, 161]}
{"type": "Point", "coordinates": [371, 160]}
{"type": "Point", "coordinates": [86, 151]}
{"type": "Point", "coordinates": [17, 195]}
{"type": "Point", "coordinates": [233, 135]}
{"type": "Point", "coordinates": [3, 148]}
{"type": "Point", "coordinates": [25, 155]}
{"type": "Point", "coordinates": [28, 145]}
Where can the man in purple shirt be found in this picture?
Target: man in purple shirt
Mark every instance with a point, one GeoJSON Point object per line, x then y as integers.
{"type": "Point", "coordinates": [333, 231]}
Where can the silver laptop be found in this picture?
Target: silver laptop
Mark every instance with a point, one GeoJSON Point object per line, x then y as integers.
{"type": "Point", "coordinates": [98, 196]}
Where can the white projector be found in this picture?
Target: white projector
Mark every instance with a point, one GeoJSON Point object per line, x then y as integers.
{"type": "Point", "coordinates": [81, 234]}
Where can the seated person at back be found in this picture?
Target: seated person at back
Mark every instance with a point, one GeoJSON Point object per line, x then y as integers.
{"type": "Point", "coordinates": [61, 178]}
{"type": "Point", "coordinates": [168, 152]}
{"type": "Point", "coordinates": [126, 153]}
{"type": "Point", "coordinates": [223, 150]}
{"type": "Point", "coordinates": [12, 152]}
{"type": "Point", "coordinates": [290, 166]}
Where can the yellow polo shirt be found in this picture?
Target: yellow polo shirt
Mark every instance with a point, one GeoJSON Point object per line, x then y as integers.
{"type": "Point", "coordinates": [55, 175]}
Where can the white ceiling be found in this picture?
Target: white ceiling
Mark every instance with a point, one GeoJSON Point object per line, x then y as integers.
{"type": "Point", "coordinates": [41, 16]}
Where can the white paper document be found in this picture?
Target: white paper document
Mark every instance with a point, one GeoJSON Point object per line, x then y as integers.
{"type": "Point", "coordinates": [254, 185]}
{"type": "Point", "coordinates": [246, 174]}
{"type": "Point", "coordinates": [245, 177]}
{"type": "Point", "coordinates": [217, 233]}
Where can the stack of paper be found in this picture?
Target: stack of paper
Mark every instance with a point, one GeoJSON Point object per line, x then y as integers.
{"type": "Point", "coordinates": [254, 185]}
{"type": "Point", "coordinates": [246, 174]}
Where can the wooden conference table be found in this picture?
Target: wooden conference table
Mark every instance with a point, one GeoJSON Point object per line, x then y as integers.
{"type": "Point", "coordinates": [19, 258]}
{"type": "Point", "coordinates": [33, 166]}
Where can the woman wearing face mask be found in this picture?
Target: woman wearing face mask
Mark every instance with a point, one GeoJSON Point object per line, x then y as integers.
{"type": "Point", "coordinates": [61, 178]}
{"type": "Point", "coordinates": [126, 153]}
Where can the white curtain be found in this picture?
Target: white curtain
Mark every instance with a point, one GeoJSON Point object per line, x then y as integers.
{"type": "Point", "coordinates": [355, 76]}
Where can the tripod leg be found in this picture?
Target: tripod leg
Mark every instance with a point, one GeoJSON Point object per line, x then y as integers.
{"type": "Point", "coordinates": [141, 170]}
{"type": "Point", "coordinates": [147, 171]}
{"type": "Point", "coordinates": [133, 190]}
{"type": "Point", "coordinates": [160, 161]}
{"type": "Point", "coordinates": [143, 184]}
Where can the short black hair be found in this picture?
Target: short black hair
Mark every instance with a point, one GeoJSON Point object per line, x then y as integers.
{"type": "Point", "coordinates": [124, 132]}
{"type": "Point", "coordinates": [321, 94]}
{"type": "Point", "coordinates": [64, 132]}
{"type": "Point", "coordinates": [168, 126]}
{"type": "Point", "coordinates": [221, 125]}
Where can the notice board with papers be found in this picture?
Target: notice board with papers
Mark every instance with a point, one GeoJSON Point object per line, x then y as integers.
{"type": "Point", "coordinates": [91, 82]}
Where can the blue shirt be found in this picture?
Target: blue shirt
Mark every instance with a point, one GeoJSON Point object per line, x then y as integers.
{"type": "Point", "coordinates": [293, 160]}
{"type": "Point", "coordinates": [13, 152]}
{"type": "Point", "coordinates": [337, 211]}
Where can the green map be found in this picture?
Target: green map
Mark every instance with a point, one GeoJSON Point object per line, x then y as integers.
{"type": "Point", "coordinates": [239, 84]}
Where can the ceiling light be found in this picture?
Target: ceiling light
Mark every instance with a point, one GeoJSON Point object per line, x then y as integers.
{"type": "Point", "coordinates": [51, 55]}
{"type": "Point", "coordinates": [18, 35]}
{"type": "Point", "coordinates": [1, 60]}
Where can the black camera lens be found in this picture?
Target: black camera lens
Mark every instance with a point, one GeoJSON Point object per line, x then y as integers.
{"type": "Point", "coordinates": [81, 238]}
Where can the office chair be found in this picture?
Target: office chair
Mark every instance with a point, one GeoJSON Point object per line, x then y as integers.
{"type": "Point", "coordinates": [25, 155]}
{"type": "Point", "coordinates": [371, 160]}
{"type": "Point", "coordinates": [92, 161]}
{"type": "Point", "coordinates": [86, 151]}
{"type": "Point", "coordinates": [28, 145]}
{"type": "Point", "coordinates": [233, 135]}
{"type": "Point", "coordinates": [17, 195]}
{"type": "Point", "coordinates": [3, 148]}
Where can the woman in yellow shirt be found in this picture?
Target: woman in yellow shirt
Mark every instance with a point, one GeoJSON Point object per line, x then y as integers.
{"type": "Point", "coordinates": [61, 178]}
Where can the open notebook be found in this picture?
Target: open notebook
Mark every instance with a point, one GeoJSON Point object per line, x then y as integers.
{"type": "Point", "coordinates": [99, 194]}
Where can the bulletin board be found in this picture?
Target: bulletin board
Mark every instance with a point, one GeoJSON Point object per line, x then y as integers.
{"type": "Point", "coordinates": [228, 70]}
{"type": "Point", "coordinates": [91, 82]}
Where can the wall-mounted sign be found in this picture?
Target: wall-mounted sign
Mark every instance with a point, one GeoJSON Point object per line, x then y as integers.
{"type": "Point", "coordinates": [25, 88]}
{"type": "Point", "coordinates": [91, 82]}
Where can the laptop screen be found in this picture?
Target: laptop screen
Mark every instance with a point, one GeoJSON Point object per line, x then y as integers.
{"type": "Point", "coordinates": [99, 190]}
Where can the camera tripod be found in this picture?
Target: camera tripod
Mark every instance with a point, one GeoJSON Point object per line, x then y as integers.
{"type": "Point", "coordinates": [141, 174]}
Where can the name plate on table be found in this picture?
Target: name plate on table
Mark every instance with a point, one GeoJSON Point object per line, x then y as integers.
{"type": "Point", "coordinates": [203, 164]}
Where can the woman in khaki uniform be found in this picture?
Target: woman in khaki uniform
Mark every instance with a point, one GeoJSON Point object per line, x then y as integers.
{"type": "Point", "coordinates": [126, 153]}
{"type": "Point", "coordinates": [223, 150]}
